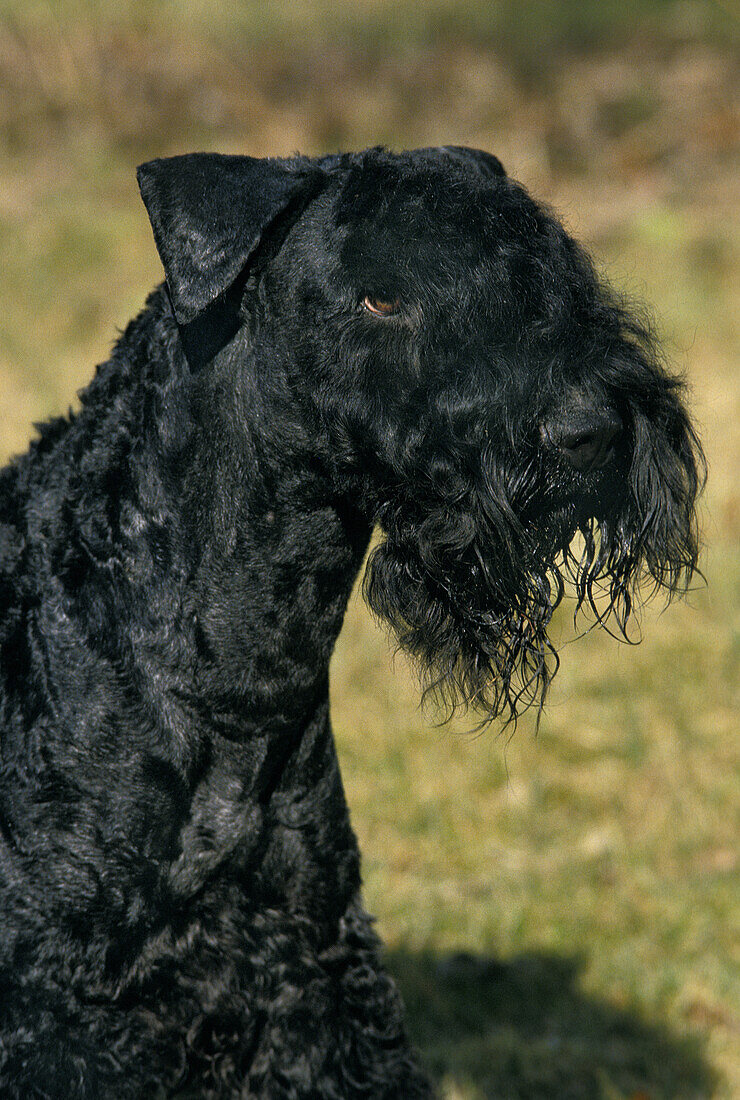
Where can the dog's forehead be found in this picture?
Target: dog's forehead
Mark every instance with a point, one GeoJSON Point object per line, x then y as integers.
{"type": "Point", "coordinates": [432, 196]}
{"type": "Point", "coordinates": [409, 216]}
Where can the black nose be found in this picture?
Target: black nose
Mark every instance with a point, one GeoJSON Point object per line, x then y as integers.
{"type": "Point", "coordinates": [583, 436]}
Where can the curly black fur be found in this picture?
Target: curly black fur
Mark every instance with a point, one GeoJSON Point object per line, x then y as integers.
{"type": "Point", "coordinates": [406, 341]}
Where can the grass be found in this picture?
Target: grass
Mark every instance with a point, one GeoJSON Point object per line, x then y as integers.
{"type": "Point", "coordinates": [559, 910]}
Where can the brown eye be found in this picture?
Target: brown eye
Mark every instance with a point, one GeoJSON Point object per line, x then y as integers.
{"type": "Point", "coordinates": [379, 307]}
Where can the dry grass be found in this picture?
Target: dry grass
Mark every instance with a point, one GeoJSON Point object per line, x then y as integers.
{"type": "Point", "coordinates": [559, 910]}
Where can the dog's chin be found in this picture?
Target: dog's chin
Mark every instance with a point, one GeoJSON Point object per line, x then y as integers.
{"type": "Point", "coordinates": [473, 611]}
{"type": "Point", "coordinates": [479, 636]}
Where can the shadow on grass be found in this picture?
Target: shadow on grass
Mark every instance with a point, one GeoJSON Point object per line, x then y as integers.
{"type": "Point", "coordinates": [522, 1030]}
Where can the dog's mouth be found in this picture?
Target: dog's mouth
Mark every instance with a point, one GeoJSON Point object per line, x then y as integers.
{"type": "Point", "coordinates": [563, 502]}
{"type": "Point", "coordinates": [560, 520]}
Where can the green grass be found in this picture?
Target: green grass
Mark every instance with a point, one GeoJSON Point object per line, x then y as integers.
{"type": "Point", "coordinates": [559, 909]}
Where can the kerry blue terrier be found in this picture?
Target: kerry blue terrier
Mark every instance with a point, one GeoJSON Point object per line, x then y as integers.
{"type": "Point", "coordinates": [407, 341]}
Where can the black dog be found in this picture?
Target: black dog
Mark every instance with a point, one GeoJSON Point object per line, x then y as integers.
{"type": "Point", "coordinates": [403, 340]}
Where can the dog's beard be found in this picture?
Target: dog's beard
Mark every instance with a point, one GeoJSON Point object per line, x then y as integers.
{"type": "Point", "coordinates": [469, 612]}
{"type": "Point", "coordinates": [470, 585]}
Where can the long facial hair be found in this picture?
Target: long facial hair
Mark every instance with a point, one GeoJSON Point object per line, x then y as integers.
{"type": "Point", "coordinates": [471, 569]}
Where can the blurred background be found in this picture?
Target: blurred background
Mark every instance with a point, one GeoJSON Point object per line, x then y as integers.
{"type": "Point", "coordinates": [560, 909]}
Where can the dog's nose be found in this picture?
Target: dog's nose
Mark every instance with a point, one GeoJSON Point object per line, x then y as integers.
{"type": "Point", "coordinates": [583, 436]}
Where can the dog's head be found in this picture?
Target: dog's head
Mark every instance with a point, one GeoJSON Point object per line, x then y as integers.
{"type": "Point", "coordinates": [473, 386]}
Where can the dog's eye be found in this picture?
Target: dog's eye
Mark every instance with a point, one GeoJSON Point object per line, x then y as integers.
{"type": "Point", "coordinates": [380, 307]}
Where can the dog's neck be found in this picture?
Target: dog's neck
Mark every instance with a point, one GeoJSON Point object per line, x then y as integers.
{"type": "Point", "coordinates": [238, 553]}
{"type": "Point", "coordinates": [278, 548]}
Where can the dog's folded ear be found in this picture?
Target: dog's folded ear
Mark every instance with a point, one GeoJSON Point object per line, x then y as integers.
{"type": "Point", "coordinates": [208, 213]}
